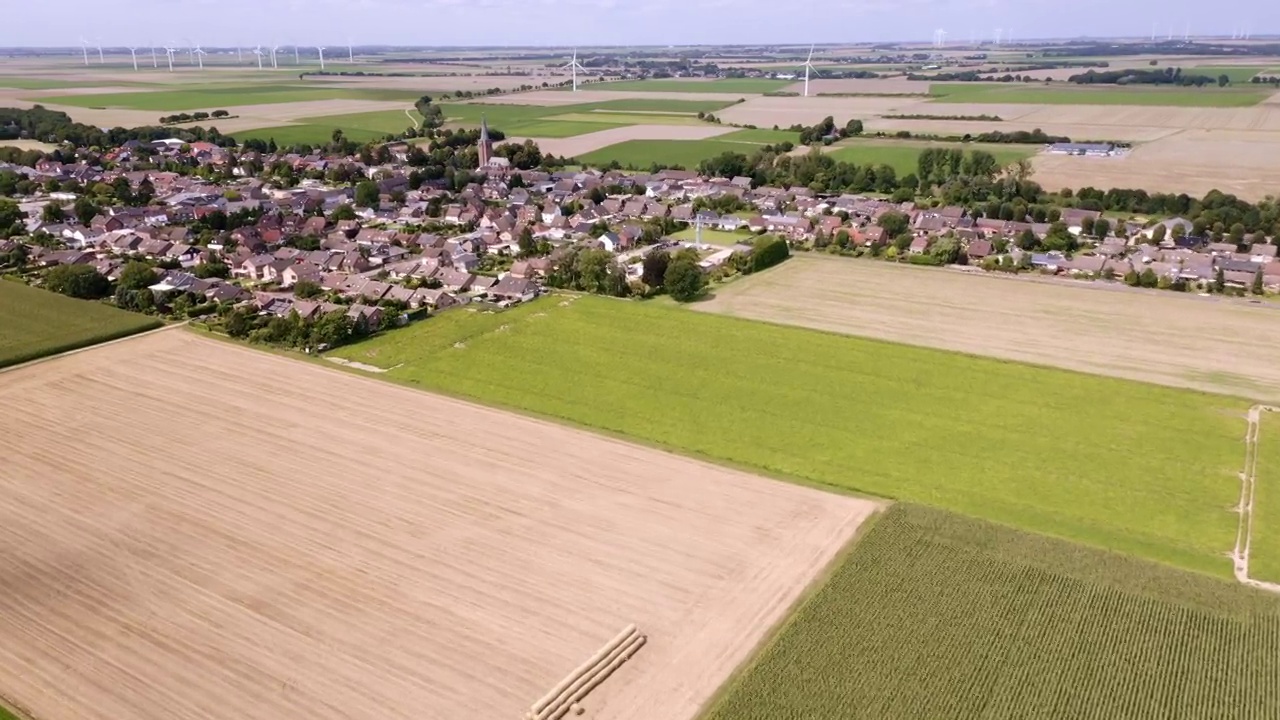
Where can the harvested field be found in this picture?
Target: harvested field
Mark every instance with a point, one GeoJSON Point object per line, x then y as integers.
{"type": "Point", "coordinates": [1177, 340]}
{"type": "Point", "coordinates": [785, 111]}
{"type": "Point", "coordinates": [887, 86]}
{"type": "Point", "coordinates": [560, 97]}
{"type": "Point", "coordinates": [380, 553]}
{"type": "Point", "coordinates": [1191, 161]}
{"type": "Point", "coordinates": [425, 83]}
{"type": "Point", "coordinates": [590, 142]}
{"type": "Point", "coordinates": [28, 145]}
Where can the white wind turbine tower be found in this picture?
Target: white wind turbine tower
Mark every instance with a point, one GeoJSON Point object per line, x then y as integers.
{"type": "Point", "coordinates": [101, 59]}
{"type": "Point", "coordinates": [296, 61]}
{"type": "Point", "coordinates": [939, 37]}
{"type": "Point", "coordinates": [808, 66]}
{"type": "Point", "coordinates": [84, 45]}
{"type": "Point", "coordinates": [258, 51]}
{"type": "Point", "coordinates": [351, 53]}
{"type": "Point", "coordinates": [155, 62]}
{"type": "Point", "coordinates": [274, 64]}
{"type": "Point", "coordinates": [321, 51]}
{"type": "Point", "coordinates": [200, 56]}
{"type": "Point", "coordinates": [169, 52]}
{"type": "Point", "coordinates": [574, 66]}
{"type": "Point", "coordinates": [999, 33]}
{"type": "Point", "coordinates": [133, 52]}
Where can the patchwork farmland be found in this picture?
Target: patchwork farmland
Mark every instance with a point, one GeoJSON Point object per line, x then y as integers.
{"type": "Point", "coordinates": [262, 573]}
{"type": "Point", "coordinates": [922, 433]}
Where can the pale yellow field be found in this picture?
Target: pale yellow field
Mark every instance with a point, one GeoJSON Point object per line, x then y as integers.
{"type": "Point", "coordinates": [191, 530]}
{"type": "Point", "coordinates": [1181, 340]}
{"type": "Point", "coordinates": [28, 145]}
{"type": "Point", "coordinates": [786, 111]}
{"type": "Point", "coordinates": [1191, 161]}
{"type": "Point", "coordinates": [563, 97]}
{"type": "Point", "coordinates": [582, 144]}
{"type": "Point", "coordinates": [889, 86]}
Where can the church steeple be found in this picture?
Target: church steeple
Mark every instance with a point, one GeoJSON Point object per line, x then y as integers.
{"type": "Point", "coordinates": [485, 145]}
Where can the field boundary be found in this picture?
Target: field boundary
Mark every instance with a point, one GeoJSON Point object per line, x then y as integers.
{"type": "Point", "coordinates": [90, 346]}
{"type": "Point", "coordinates": [1248, 491]}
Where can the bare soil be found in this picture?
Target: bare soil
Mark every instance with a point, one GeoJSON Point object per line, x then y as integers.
{"type": "Point", "coordinates": [192, 529]}
{"type": "Point", "coordinates": [1213, 344]}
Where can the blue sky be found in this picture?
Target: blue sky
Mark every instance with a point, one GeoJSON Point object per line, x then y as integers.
{"type": "Point", "coordinates": [607, 22]}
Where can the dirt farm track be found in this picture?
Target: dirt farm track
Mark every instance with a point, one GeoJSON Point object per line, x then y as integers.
{"type": "Point", "coordinates": [192, 529]}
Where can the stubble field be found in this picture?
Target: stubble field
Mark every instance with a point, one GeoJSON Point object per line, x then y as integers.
{"type": "Point", "coordinates": [193, 529]}
{"type": "Point", "coordinates": [1178, 340]}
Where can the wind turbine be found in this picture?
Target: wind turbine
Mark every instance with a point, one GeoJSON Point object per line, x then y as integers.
{"type": "Point", "coordinates": [574, 66]}
{"type": "Point", "coordinates": [351, 54]}
{"type": "Point", "coordinates": [155, 63]}
{"type": "Point", "coordinates": [200, 56]}
{"type": "Point", "coordinates": [134, 53]}
{"type": "Point", "coordinates": [84, 45]}
{"type": "Point", "coordinates": [169, 52]}
{"type": "Point", "coordinates": [296, 61]}
{"type": "Point", "coordinates": [101, 60]}
{"type": "Point", "coordinates": [939, 37]}
{"type": "Point", "coordinates": [274, 64]}
{"type": "Point", "coordinates": [808, 65]}
{"type": "Point", "coordinates": [321, 51]}
{"type": "Point", "coordinates": [999, 33]}
{"type": "Point", "coordinates": [258, 51]}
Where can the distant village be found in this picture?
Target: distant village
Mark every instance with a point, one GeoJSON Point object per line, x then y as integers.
{"type": "Point", "coordinates": [316, 247]}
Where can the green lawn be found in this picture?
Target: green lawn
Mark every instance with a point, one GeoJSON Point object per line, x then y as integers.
{"type": "Point", "coordinates": [1063, 94]}
{"type": "Point", "coordinates": [903, 155]}
{"type": "Point", "coordinates": [1264, 550]}
{"type": "Point", "coordinates": [305, 134]}
{"type": "Point", "coordinates": [761, 137]}
{"type": "Point", "coordinates": [749, 86]}
{"type": "Point", "coordinates": [933, 615]}
{"type": "Point", "coordinates": [35, 323]}
{"type": "Point", "coordinates": [224, 97]}
{"type": "Point", "coordinates": [640, 154]}
{"type": "Point", "coordinates": [1138, 468]}
{"type": "Point", "coordinates": [714, 237]}
{"type": "Point", "coordinates": [1238, 75]}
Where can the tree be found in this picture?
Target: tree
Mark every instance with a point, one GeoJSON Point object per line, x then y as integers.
{"type": "Point", "coordinates": [1158, 233]}
{"type": "Point", "coordinates": [52, 213]}
{"type": "Point", "coordinates": [10, 218]}
{"type": "Point", "coordinates": [894, 223]}
{"type": "Point", "coordinates": [1147, 278]}
{"type": "Point", "coordinates": [215, 267]}
{"type": "Point", "coordinates": [1179, 231]}
{"type": "Point", "coordinates": [1219, 281]}
{"type": "Point", "coordinates": [1102, 228]}
{"type": "Point", "coordinates": [343, 212]}
{"type": "Point", "coordinates": [528, 246]}
{"type": "Point", "coordinates": [1237, 234]}
{"type": "Point", "coordinates": [367, 193]}
{"type": "Point", "coordinates": [77, 281]}
{"type": "Point", "coordinates": [1027, 240]}
{"type": "Point", "coordinates": [946, 250]}
{"type": "Point", "coordinates": [853, 127]}
{"type": "Point", "coordinates": [85, 209]}
{"type": "Point", "coordinates": [238, 324]}
{"type": "Point", "coordinates": [655, 268]}
{"type": "Point", "coordinates": [1224, 80]}
{"type": "Point", "coordinates": [684, 280]}
{"type": "Point", "coordinates": [308, 289]}
{"type": "Point", "coordinates": [1087, 225]}
{"type": "Point", "coordinates": [1257, 283]}
{"type": "Point", "coordinates": [136, 275]}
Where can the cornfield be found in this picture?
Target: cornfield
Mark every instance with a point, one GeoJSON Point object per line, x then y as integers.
{"type": "Point", "coordinates": [35, 323]}
{"type": "Point", "coordinates": [934, 615]}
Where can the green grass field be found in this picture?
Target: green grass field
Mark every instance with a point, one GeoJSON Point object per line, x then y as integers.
{"type": "Point", "coordinates": [1238, 75]}
{"type": "Point", "coordinates": [35, 323]}
{"type": "Point", "coordinates": [714, 237]}
{"type": "Point", "coordinates": [1264, 549]}
{"type": "Point", "coordinates": [932, 615]}
{"type": "Point", "coordinates": [1097, 95]}
{"type": "Point", "coordinates": [903, 156]}
{"type": "Point", "coordinates": [568, 120]}
{"type": "Point", "coordinates": [25, 83]}
{"type": "Point", "coordinates": [761, 137]}
{"type": "Point", "coordinates": [748, 86]}
{"type": "Point", "coordinates": [305, 134]}
{"type": "Point", "coordinates": [620, 118]}
{"type": "Point", "coordinates": [640, 154]}
{"type": "Point", "coordinates": [225, 97]}
{"type": "Point", "coordinates": [1138, 468]}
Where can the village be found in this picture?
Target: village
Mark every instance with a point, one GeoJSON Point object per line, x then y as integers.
{"type": "Point", "coordinates": [319, 246]}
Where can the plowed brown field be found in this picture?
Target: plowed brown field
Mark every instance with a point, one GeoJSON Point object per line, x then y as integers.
{"type": "Point", "coordinates": [191, 529]}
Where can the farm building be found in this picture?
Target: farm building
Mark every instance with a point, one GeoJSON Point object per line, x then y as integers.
{"type": "Point", "coordinates": [1086, 149]}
